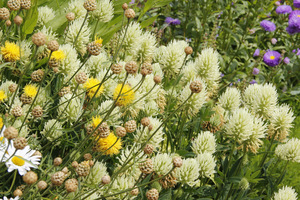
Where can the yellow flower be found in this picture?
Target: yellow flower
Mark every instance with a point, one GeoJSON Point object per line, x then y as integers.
{"type": "Point", "coordinates": [98, 40]}
{"type": "Point", "coordinates": [126, 97]}
{"type": "Point", "coordinates": [109, 146]}
{"type": "Point", "coordinates": [58, 55]}
{"type": "Point", "coordinates": [94, 85]}
{"type": "Point", "coordinates": [96, 121]}
{"type": "Point", "coordinates": [10, 51]}
{"type": "Point", "coordinates": [30, 90]}
{"type": "Point", "coordinates": [2, 95]}
{"type": "Point", "coordinates": [1, 123]}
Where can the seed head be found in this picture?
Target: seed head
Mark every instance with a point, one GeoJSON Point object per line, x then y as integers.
{"type": "Point", "coordinates": [37, 153]}
{"type": "Point", "coordinates": [25, 99]}
{"type": "Point", "coordinates": [130, 126]}
{"type": "Point", "coordinates": [116, 68]}
{"type": "Point", "coordinates": [88, 156]}
{"type": "Point", "coordinates": [14, 4]}
{"type": "Point", "coordinates": [37, 75]}
{"type": "Point", "coordinates": [30, 177]}
{"type": "Point", "coordinates": [75, 164]}
{"type": "Point", "coordinates": [145, 121]}
{"type": "Point", "coordinates": [91, 163]}
{"type": "Point", "coordinates": [53, 45]}
{"type": "Point", "coordinates": [196, 86]}
{"type": "Point", "coordinates": [157, 79]}
{"type": "Point", "coordinates": [65, 170]}
{"type": "Point", "coordinates": [83, 168]}
{"type": "Point", "coordinates": [90, 5]}
{"type": "Point", "coordinates": [188, 50]}
{"type": "Point", "coordinates": [146, 69]}
{"type": "Point", "coordinates": [13, 87]}
{"type": "Point", "coordinates": [105, 179]}
{"type": "Point", "coordinates": [20, 143]}
{"type": "Point", "coordinates": [81, 77]}
{"type": "Point", "coordinates": [125, 6]}
{"type": "Point", "coordinates": [70, 16]}
{"type": "Point", "coordinates": [134, 192]}
{"type": "Point", "coordinates": [39, 39]}
{"type": "Point", "coordinates": [147, 166]}
{"type": "Point", "coordinates": [42, 185]}
{"type": "Point", "coordinates": [57, 161]}
{"type": "Point", "coordinates": [121, 131]}
{"type": "Point", "coordinates": [131, 67]}
{"type": "Point", "coordinates": [25, 4]}
{"type": "Point", "coordinates": [103, 130]}
{"type": "Point", "coordinates": [8, 23]}
{"type": "Point", "coordinates": [58, 178]}
{"type": "Point", "coordinates": [71, 185]}
{"type": "Point", "coordinates": [64, 91]}
{"type": "Point", "coordinates": [18, 193]}
{"type": "Point", "coordinates": [18, 20]}
{"type": "Point", "coordinates": [152, 194]}
{"type": "Point", "coordinates": [148, 149]}
{"type": "Point", "coordinates": [10, 133]}
{"type": "Point", "coordinates": [177, 162]}
{"type": "Point", "coordinates": [17, 111]}
{"type": "Point", "coordinates": [37, 111]}
{"type": "Point", "coordinates": [129, 13]}
{"type": "Point", "coordinates": [4, 14]}
{"type": "Point", "coordinates": [94, 48]}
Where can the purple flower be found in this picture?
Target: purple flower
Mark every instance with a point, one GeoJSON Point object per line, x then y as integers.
{"type": "Point", "coordinates": [286, 60]}
{"type": "Point", "coordinates": [170, 20]}
{"type": "Point", "coordinates": [268, 25]}
{"type": "Point", "coordinates": [256, 53]}
{"type": "Point", "coordinates": [284, 9]}
{"type": "Point", "coordinates": [132, 2]}
{"type": "Point", "coordinates": [273, 40]}
{"type": "Point", "coordinates": [297, 3]}
{"type": "Point", "coordinates": [298, 52]}
{"type": "Point", "coordinates": [295, 13]}
{"type": "Point", "coordinates": [272, 58]}
{"type": "Point", "coordinates": [253, 82]}
{"type": "Point", "coordinates": [294, 23]}
{"type": "Point", "coordinates": [294, 51]}
{"type": "Point", "coordinates": [230, 84]}
{"type": "Point", "coordinates": [277, 3]}
{"type": "Point", "coordinates": [239, 80]}
{"type": "Point", "coordinates": [221, 75]}
{"type": "Point", "coordinates": [255, 71]}
{"type": "Point", "coordinates": [188, 39]}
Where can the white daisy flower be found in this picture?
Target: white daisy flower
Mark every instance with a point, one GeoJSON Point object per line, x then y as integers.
{"type": "Point", "coordinates": [5, 198]}
{"type": "Point", "coordinates": [3, 142]}
{"type": "Point", "coordinates": [22, 160]}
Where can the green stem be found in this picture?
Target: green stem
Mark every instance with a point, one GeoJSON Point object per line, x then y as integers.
{"type": "Point", "coordinates": [85, 18]}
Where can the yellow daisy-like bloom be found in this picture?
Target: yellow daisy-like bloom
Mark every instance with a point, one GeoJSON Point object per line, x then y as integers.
{"type": "Point", "coordinates": [126, 97]}
{"type": "Point", "coordinates": [98, 40]}
{"type": "Point", "coordinates": [91, 83]}
{"type": "Point", "coordinates": [58, 55]}
{"type": "Point", "coordinates": [96, 121]}
{"type": "Point", "coordinates": [2, 95]}
{"type": "Point", "coordinates": [109, 146]}
{"type": "Point", "coordinates": [10, 52]}
{"type": "Point", "coordinates": [30, 90]}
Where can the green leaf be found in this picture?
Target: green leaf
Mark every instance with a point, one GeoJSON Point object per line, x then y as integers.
{"type": "Point", "coordinates": [148, 22]}
{"type": "Point", "coordinates": [30, 19]}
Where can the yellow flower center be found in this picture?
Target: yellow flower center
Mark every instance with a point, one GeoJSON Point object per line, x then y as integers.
{"type": "Point", "coordinates": [92, 86]}
{"type": "Point", "coordinates": [126, 96]}
{"type": "Point", "coordinates": [2, 140]}
{"type": "Point", "coordinates": [96, 121]}
{"type": "Point", "coordinates": [1, 123]}
{"type": "Point", "coordinates": [30, 90]}
{"type": "Point", "coordinates": [298, 15]}
{"type": "Point", "coordinates": [58, 55]}
{"type": "Point", "coordinates": [109, 146]}
{"type": "Point", "coordinates": [17, 160]}
{"type": "Point", "coordinates": [2, 97]}
{"type": "Point", "coordinates": [10, 51]}
{"type": "Point", "coordinates": [272, 57]}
